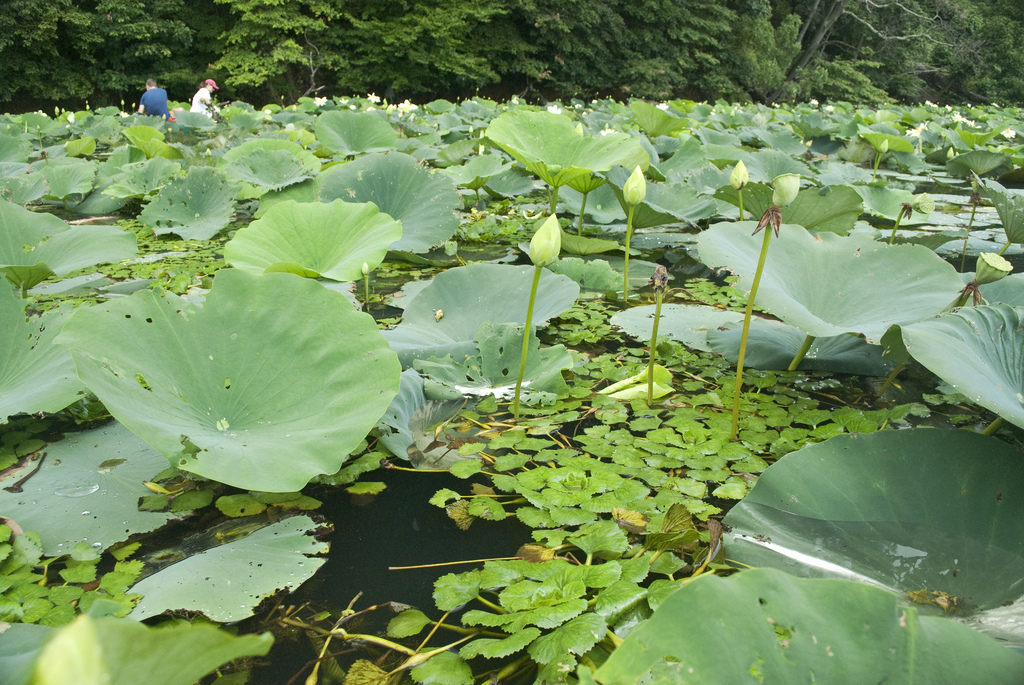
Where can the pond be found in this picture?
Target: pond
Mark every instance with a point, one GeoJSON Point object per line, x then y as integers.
{"type": "Point", "coordinates": [497, 474]}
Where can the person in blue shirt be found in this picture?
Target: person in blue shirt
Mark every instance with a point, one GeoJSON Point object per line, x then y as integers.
{"type": "Point", "coordinates": [154, 101]}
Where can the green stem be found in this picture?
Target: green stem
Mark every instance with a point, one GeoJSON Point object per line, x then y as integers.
{"type": "Point", "coordinates": [526, 340]}
{"type": "Point", "coordinates": [1003, 248]}
{"type": "Point", "coordinates": [993, 427]}
{"type": "Point", "coordinates": [366, 290]}
{"type": "Point", "coordinates": [583, 208]}
{"type": "Point", "coordinates": [740, 192]}
{"type": "Point", "coordinates": [554, 199]}
{"type": "Point", "coordinates": [625, 269]}
{"type": "Point", "coordinates": [654, 349]}
{"type": "Point", "coordinates": [801, 353]}
{"type": "Point", "coordinates": [892, 378]}
{"type": "Point", "coordinates": [746, 330]}
{"type": "Point", "coordinates": [963, 252]}
{"type": "Point", "coordinates": [896, 226]}
{"type": "Point", "coordinates": [874, 172]}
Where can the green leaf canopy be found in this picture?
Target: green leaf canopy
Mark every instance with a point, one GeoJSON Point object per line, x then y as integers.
{"type": "Point", "coordinates": [766, 626]}
{"type": "Point", "coordinates": [35, 374]}
{"type": "Point", "coordinates": [548, 145]}
{"type": "Point", "coordinates": [34, 247]}
{"type": "Point", "coordinates": [196, 207]}
{"type": "Point", "coordinates": [466, 297]}
{"type": "Point", "coordinates": [422, 200]}
{"type": "Point", "coordinates": [979, 351]}
{"type": "Point", "coordinates": [827, 285]}
{"type": "Point", "coordinates": [331, 240]}
{"type": "Point", "coordinates": [271, 382]}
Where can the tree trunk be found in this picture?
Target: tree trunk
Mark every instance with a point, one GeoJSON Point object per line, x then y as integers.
{"type": "Point", "coordinates": [812, 48]}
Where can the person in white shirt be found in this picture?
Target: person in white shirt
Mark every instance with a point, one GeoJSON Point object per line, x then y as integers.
{"type": "Point", "coordinates": [202, 101]}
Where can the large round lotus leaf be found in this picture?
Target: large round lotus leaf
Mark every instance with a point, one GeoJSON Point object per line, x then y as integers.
{"type": "Point", "coordinates": [1010, 206]}
{"type": "Point", "coordinates": [909, 510]}
{"type": "Point", "coordinates": [444, 317]}
{"type": "Point", "coordinates": [126, 652]}
{"type": "Point", "coordinates": [663, 203]}
{"type": "Point", "coordinates": [271, 382]}
{"type": "Point", "coordinates": [888, 203]}
{"type": "Point", "coordinates": [143, 178]}
{"type": "Point", "coordinates": [764, 626]}
{"type": "Point", "coordinates": [602, 204]}
{"type": "Point", "coordinates": [980, 162]}
{"type": "Point", "coordinates": [268, 169]}
{"type": "Point", "coordinates": [688, 324]}
{"type": "Point", "coordinates": [87, 489]}
{"type": "Point", "coordinates": [226, 582]}
{"type": "Point", "coordinates": [422, 200]}
{"type": "Point", "coordinates": [196, 207]}
{"type": "Point", "coordinates": [308, 160]}
{"type": "Point", "coordinates": [354, 133]}
{"type": "Point", "coordinates": [979, 351]}
{"type": "Point", "coordinates": [35, 246]}
{"type": "Point", "coordinates": [765, 165]}
{"type": "Point", "coordinates": [1009, 290]}
{"type": "Point", "coordinates": [834, 209]}
{"type": "Point", "coordinates": [35, 374]}
{"type": "Point", "coordinates": [332, 240]}
{"type": "Point", "coordinates": [475, 173]}
{"type": "Point", "coordinates": [826, 285]}
{"type": "Point", "coordinates": [549, 146]}
{"type": "Point", "coordinates": [69, 177]}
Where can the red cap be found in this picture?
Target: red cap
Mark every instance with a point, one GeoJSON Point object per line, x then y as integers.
{"type": "Point", "coordinates": [211, 82]}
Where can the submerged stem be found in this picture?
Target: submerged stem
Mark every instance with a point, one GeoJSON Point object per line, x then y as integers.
{"type": "Point", "coordinates": [801, 353]}
{"type": "Point", "coordinates": [993, 427]}
{"type": "Point", "coordinates": [746, 330]}
{"type": "Point", "coordinates": [526, 341]}
{"type": "Point", "coordinates": [625, 268]}
{"type": "Point", "coordinates": [891, 379]}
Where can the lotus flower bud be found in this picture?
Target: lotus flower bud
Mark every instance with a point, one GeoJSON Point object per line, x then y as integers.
{"type": "Point", "coordinates": [546, 242]}
{"type": "Point", "coordinates": [366, 269]}
{"type": "Point", "coordinates": [739, 176]}
{"type": "Point", "coordinates": [786, 187]}
{"type": "Point", "coordinates": [923, 204]}
{"type": "Point", "coordinates": [990, 268]}
{"type": "Point", "coordinates": [951, 153]}
{"type": "Point", "coordinates": [884, 147]}
{"type": "Point", "coordinates": [579, 130]}
{"type": "Point", "coordinates": [635, 189]}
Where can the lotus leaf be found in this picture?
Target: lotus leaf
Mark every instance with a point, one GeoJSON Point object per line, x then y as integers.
{"type": "Point", "coordinates": [226, 582]}
{"type": "Point", "coordinates": [424, 202]}
{"type": "Point", "coordinates": [269, 169]}
{"type": "Point", "coordinates": [143, 178]}
{"type": "Point", "coordinates": [980, 162]}
{"type": "Point", "coordinates": [407, 428]}
{"type": "Point", "coordinates": [196, 207]}
{"type": "Point", "coordinates": [826, 285]}
{"type": "Point", "coordinates": [548, 145]}
{"type": "Point", "coordinates": [655, 122]}
{"type": "Point", "coordinates": [349, 133]}
{"type": "Point", "coordinates": [128, 652]}
{"type": "Point", "coordinates": [766, 626]}
{"type": "Point", "coordinates": [330, 240]}
{"type": "Point", "coordinates": [87, 489]}
{"type": "Point", "coordinates": [35, 374]}
{"type": "Point", "coordinates": [977, 350]}
{"type": "Point", "coordinates": [602, 204]}
{"type": "Point", "coordinates": [595, 274]}
{"type": "Point", "coordinates": [54, 247]}
{"type": "Point", "coordinates": [688, 324]}
{"type": "Point", "coordinates": [1010, 206]}
{"type": "Point", "coordinates": [141, 134]}
{"type": "Point", "coordinates": [765, 165]}
{"type": "Point", "coordinates": [924, 508]}
{"type": "Point", "coordinates": [1009, 290]}
{"type": "Point", "coordinates": [74, 177]}
{"type": "Point", "coordinates": [444, 317]}
{"type": "Point", "coordinates": [307, 159]}
{"type": "Point", "coordinates": [271, 382]}
{"type": "Point", "coordinates": [14, 149]}
{"type": "Point", "coordinates": [493, 370]}
{"type": "Point", "coordinates": [23, 189]}
{"type": "Point", "coordinates": [833, 208]}
{"type": "Point", "coordinates": [895, 143]}
{"type": "Point", "coordinates": [199, 121]}
{"type": "Point", "coordinates": [663, 203]}
{"type": "Point", "coordinates": [475, 173]}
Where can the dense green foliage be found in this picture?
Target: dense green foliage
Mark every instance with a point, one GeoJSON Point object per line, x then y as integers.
{"type": "Point", "coordinates": [53, 52]}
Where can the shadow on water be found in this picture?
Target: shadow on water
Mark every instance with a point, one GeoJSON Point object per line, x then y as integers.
{"type": "Point", "coordinates": [398, 527]}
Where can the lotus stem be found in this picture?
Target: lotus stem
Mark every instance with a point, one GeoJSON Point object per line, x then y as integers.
{"type": "Point", "coordinates": [874, 172]}
{"type": "Point", "coordinates": [526, 340]}
{"type": "Point", "coordinates": [993, 427]}
{"type": "Point", "coordinates": [740, 193]}
{"type": "Point", "coordinates": [554, 199]}
{"type": "Point", "coordinates": [625, 268]}
{"type": "Point", "coordinates": [896, 227]}
{"type": "Point", "coordinates": [583, 208]}
{"type": "Point", "coordinates": [801, 353]}
{"type": "Point", "coordinates": [738, 391]}
{"type": "Point", "coordinates": [1003, 248]}
{"type": "Point", "coordinates": [366, 291]}
{"type": "Point", "coordinates": [892, 378]}
{"type": "Point", "coordinates": [654, 349]}
{"type": "Point", "coordinates": [963, 252]}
